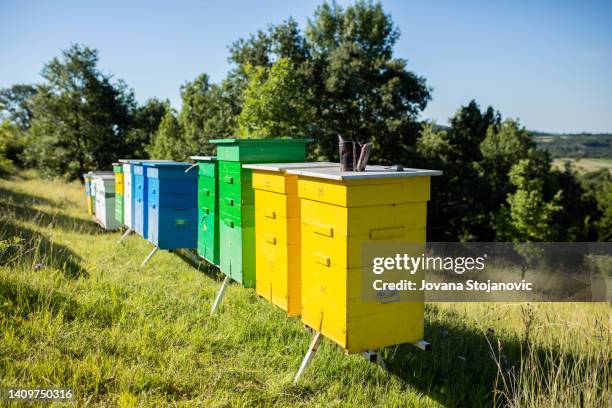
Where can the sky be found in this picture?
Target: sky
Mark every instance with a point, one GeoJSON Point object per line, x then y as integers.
{"type": "Point", "coordinates": [547, 63]}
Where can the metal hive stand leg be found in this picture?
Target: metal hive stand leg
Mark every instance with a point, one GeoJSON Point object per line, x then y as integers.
{"type": "Point", "coordinates": [125, 234]}
{"type": "Point", "coordinates": [219, 295]}
{"type": "Point", "coordinates": [149, 256]}
{"type": "Point", "coordinates": [312, 349]}
{"type": "Point", "coordinates": [375, 357]}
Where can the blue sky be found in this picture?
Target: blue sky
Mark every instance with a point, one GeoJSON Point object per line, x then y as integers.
{"type": "Point", "coordinates": [548, 63]}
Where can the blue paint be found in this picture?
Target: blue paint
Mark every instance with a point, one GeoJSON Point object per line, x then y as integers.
{"type": "Point", "coordinates": [139, 196]}
{"type": "Point", "coordinates": [171, 205]}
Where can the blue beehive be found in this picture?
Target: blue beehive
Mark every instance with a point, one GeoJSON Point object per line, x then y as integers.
{"type": "Point", "coordinates": [140, 200]}
{"type": "Point", "coordinates": [139, 195]}
{"type": "Point", "coordinates": [171, 208]}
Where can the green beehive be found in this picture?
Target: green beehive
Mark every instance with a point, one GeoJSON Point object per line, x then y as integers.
{"type": "Point", "coordinates": [118, 170]}
{"type": "Point", "coordinates": [236, 198]}
{"type": "Point", "coordinates": [208, 208]}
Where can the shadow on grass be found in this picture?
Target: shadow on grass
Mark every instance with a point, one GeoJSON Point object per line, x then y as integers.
{"type": "Point", "coordinates": [18, 205]}
{"type": "Point", "coordinates": [459, 371]}
{"type": "Point", "coordinates": [189, 256]}
{"type": "Point", "coordinates": [22, 299]}
{"type": "Point", "coordinates": [25, 246]}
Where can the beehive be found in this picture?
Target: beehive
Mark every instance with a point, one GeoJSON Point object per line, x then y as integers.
{"type": "Point", "coordinates": [105, 200]}
{"type": "Point", "coordinates": [277, 233]}
{"type": "Point", "coordinates": [128, 197]}
{"type": "Point", "coordinates": [172, 205]}
{"type": "Point", "coordinates": [208, 208]}
{"type": "Point", "coordinates": [139, 211]}
{"type": "Point", "coordinates": [341, 211]}
{"type": "Point", "coordinates": [236, 198]}
{"type": "Point", "coordinates": [88, 193]}
{"type": "Point", "coordinates": [119, 201]}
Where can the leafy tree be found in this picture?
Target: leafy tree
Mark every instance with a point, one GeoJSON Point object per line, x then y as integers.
{"type": "Point", "coordinates": [503, 147]}
{"type": "Point", "coordinates": [16, 104]}
{"type": "Point", "coordinates": [357, 88]}
{"type": "Point", "coordinates": [12, 141]}
{"type": "Point", "coordinates": [458, 210]}
{"type": "Point", "coordinates": [529, 214]}
{"type": "Point", "coordinates": [144, 124]}
{"type": "Point", "coordinates": [274, 102]}
{"type": "Point", "coordinates": [206, 114]}
{"type": "Point", "coordinates": [604, 204]}
{"type": "Point", "coordinates": [167, 142]}
{"type": "Point", "coordinates": [597, 190]}
{"type": "Point", "coordinates": [80, 116]}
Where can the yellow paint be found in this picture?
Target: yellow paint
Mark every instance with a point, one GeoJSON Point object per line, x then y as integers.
{"type": "Point", "coordinates": [337, 217]}
{"type": "Point", "coordinates": [277, 239]}
{"type": "Point", "coordinates": [364, 192]}
{"type": "Point", "coordinates": [119, 183]}
{"type": "Point", "coordinates": [90, 205]}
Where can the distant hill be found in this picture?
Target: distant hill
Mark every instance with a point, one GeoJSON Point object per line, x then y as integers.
{"type": "Point", "coordinates": [594, 145]}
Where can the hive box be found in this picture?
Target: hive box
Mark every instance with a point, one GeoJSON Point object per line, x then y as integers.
{"type": "Point", "coordinates": [277, 233]}
{"type": "Point", "coordinates": [88, 196]}
{"type": "Point", "coordinates": [172, 205]}
{"type": "Point", "coordinates": [236, 198]}
{"type": "Point", "coordinates": [128, 198]}
{"type": "Point", "coordinates": [137, 213]}
{"type": "Point", "coordinates": [208, 208]}
{"type": "Point", "coordinates": [118, 170]}
{"type": "Point", "coordinates": [341, 211]}
{"type": "Point", "coordinates": [105, 200]}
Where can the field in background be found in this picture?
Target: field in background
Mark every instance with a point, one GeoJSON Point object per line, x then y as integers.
{"type": "Point", "coordinates": [584, 165]}
{"type": "Point", "coordinates": [76, 311]}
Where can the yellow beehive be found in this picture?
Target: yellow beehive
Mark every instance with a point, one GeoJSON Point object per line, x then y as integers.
{"type": "Point", "coordinates": [119, 183]}
{"type": "Point", "coordinates": [340, 211]}
{"type": "Point", "coordinates": [277, 233]}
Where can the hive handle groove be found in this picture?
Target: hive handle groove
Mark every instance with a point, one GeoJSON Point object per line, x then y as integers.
{"type": "Point", "coordinates": [325, 230]}
{"type": "Point", "coordinates": [383, 233]}
{"type": "Point", "coordinates": [322, 259]}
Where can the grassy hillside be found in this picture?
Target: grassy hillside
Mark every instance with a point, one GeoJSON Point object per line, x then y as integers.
{"type": "Point", "coordinates": [77, 311]}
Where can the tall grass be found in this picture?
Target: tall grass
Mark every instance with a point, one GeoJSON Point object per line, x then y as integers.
{"type": "Point", "coordinates": [77, 311]}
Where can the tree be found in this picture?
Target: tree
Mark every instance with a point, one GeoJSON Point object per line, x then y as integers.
{"type": "Point", "coordinates": [604, 204]}
{"type": "Point", "coordinates": [503, 146]}
{"type": "Point", "coordinates": [357, 88]}
{"type": "Point", "coordinates": [16, 104]}
{"type": "Point", "coordinates": [167, 141]}
{"type": "Point", "coordinates": [144, 124]}
{"type": "Point", "coordinates": [206, 114]}
{"type": "Point", "coordinates": [275, 103]}
{"type": "Point", "coordinates": [529, 214]}
{"type": "Point", "coordinates": [11, 144]}
{"type": "Point", "coordinates": [458, 211]}
{"type": "Point", "coordinates": [80, 116]}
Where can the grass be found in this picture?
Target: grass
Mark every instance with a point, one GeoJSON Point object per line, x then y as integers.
{"type": "Point", "coordinates": [77, 311]}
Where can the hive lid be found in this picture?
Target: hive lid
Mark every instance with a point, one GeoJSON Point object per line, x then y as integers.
{"type": "Point", "coordinates": [167, 164]}
{"type": "Point", "coordinates": [257, 141]}
{"type": "Point", "coordinates": [371, 172]}
{"type": "Point", "coordinates": [139, 161]}
{"type": "Point", "coordinates": [204, 158]}
{"type": "Point", "coordinates": [288, 166]}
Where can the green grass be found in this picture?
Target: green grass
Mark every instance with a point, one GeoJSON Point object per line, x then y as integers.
{"type": "Point", "coordinates": [77, 311]}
